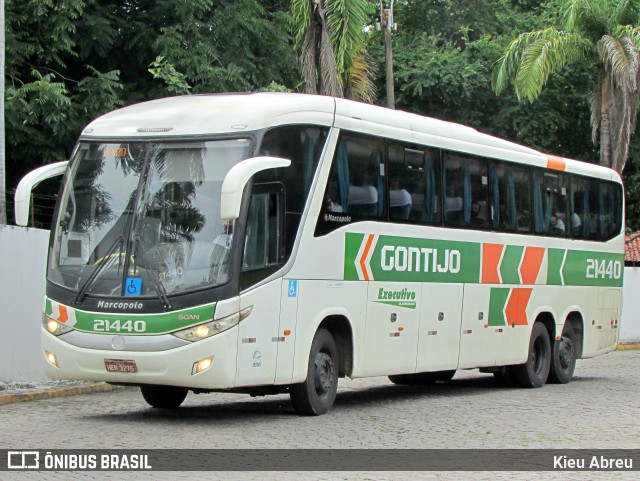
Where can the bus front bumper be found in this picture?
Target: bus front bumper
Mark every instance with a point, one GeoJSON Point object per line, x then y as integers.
{"type": "Point", "coordinates": [174, 367]}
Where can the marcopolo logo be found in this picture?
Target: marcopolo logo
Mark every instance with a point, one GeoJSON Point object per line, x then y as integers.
{"type": "Point", "coordinates": [388, 258]}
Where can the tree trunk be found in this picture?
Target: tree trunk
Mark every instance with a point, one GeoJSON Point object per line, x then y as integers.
{"type": "Point", "coordinates": [605, 126]}
{"type": "Point", "coordinates": [388, 54]}
{"type": "Point", "coordinates": [3, 193]}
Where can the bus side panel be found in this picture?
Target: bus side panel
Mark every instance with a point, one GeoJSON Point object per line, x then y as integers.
{"type": "Point", "coordinates": [440, 321]}
{"type": "Point", "coordinates": [319, 299]}
{"type": "Point", "coordinates": [601, 327]}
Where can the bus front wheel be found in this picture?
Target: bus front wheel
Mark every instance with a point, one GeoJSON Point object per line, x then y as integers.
{"type": "Point", "coordinates": [163, 397]}
{"type": "Point", "coordinates": [317, 393]}
{"type": "Point", "coordinates": [535, 371]}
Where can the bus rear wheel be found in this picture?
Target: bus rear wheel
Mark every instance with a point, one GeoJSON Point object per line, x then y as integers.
{"type": "Point", "coordinates": [535, 371]}
{"type": "Point", "coordinates": [422, 378]}
{"type": "Point", "coordinates": [317, 393]}
{"type": "Point", "coordinates": [163, 397]}
{"type": "Point", "coordinates": [563, 359]}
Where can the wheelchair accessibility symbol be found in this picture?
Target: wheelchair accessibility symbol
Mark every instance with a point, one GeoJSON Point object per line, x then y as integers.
{"type": "Point", "coordinates": [293, 288]}
{"type": "Point", "coordinates": [133, 286]}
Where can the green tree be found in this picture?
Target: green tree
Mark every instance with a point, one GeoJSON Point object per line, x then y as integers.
{"type": "Point", "coordinates": [330, 37]}
{"type": "Point", "coordinates": [601, 34]}
{"type": "Point", "coordinates": [70, 61]}
{"type": "Point", "coordinates": [443, 53]}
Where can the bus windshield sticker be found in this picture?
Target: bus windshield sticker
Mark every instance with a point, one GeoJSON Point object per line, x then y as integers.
{"type": "Point", "coordinates": [134, 286]}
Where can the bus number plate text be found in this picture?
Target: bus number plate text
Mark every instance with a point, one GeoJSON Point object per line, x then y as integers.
{"type": "Point", "coordinates": [120, 365]}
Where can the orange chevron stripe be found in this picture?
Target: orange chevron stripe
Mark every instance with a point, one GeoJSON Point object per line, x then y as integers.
{"type": "Point", "coordinates": [556, 163]}
{"type": "Point", "coordinates": [364, 256]}
{"type": "Point", "coordinates": [531, 263]}
{"type": "Point", "coordinates": [64, 316]}
{"type": "Point", "coordinates": [490, 259]}
{"type": "Point", "coordinates": [515, 311]}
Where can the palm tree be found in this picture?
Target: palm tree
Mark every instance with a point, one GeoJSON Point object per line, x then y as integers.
{"type": "Point", "coordinates": [599, 33]}
{"type": "Point", "coordinates": [330, 37]}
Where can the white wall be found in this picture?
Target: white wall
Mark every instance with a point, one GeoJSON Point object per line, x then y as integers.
{"type": "Point", "coordinates": [22, 279]}
{"type": "Point", "coordinates": [630, 321]}
{"type": "Point", "coordinates": [22, 259]}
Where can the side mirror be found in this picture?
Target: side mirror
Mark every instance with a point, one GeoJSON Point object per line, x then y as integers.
{"type": "Point", "coordinates": [28, 183]}
{"type": "Point", "coordinates": [237, 178]}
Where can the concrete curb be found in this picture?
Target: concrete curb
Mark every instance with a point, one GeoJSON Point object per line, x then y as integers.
{"type": "Point", "coordinates": [11, 398]}
{"type": "Point", "coordinates": [630, 346]}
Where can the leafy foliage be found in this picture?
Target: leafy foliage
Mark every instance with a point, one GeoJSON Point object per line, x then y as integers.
{"type": "Point", "coordinates": [592, 35]}
{"type": "Point", "coordinates": [70, 61]}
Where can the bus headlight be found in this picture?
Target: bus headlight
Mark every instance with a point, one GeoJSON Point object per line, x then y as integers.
{"type": "Point", "coordinates": [208, 329]}
{"type": "Point", "coordinates": [54, 327]}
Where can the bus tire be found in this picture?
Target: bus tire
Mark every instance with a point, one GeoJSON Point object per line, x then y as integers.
{"type": "Point", "coordinates": [422, 378]}
{"type": "Point", "coordinates": [317, 393]}
{"type": "Point", "coordinates": [563, 358]}
{"type": "Point", "coordinates": [535, 371]}
{"type": "Point", "coordinates": [163, 397]}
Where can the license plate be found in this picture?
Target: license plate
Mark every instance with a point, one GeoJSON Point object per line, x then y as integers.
{"type": "Point", "coordinates": [120, 365]}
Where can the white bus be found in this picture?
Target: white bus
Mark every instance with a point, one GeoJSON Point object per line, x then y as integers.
{"type": "Point", "coordinates": [269, 243]}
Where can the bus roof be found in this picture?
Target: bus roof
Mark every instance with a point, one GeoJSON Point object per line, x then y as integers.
{"type": "Point", "coordinates": [201, 115]}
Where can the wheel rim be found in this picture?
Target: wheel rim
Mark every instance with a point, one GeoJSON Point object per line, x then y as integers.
{"type": "Point", "coordinates": [565, 353]}
{"type": "Point", "coordinates": [538, 356]}
{"type": "Point", "coordinates": [323, 375]}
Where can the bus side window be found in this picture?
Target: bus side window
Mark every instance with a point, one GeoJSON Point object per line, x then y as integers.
{"type": "Point", "coordinates": [414, 184]}
{"type": "Point", "coordinates": [550, 203]}
{"type": "Point", "coordinates": [584, 208]}
{"type": "Point", "coordinates": [609, 202]}
{"type": "Point", "coordinates": [465, 190]}
{"type": "Point", "coordinates": [303, 145]}
{"type": "Point", "coordinates": [510, 198]}
{"type": "Point", "coordinates": [356, 181]}
{"type": "Point", "coordinates": [263, 251]}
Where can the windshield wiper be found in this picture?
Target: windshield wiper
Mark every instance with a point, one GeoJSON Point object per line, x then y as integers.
{"type": "Point", "coordinates": [101, 267]}
{"type": "Point", "coordinates": [162, 292]}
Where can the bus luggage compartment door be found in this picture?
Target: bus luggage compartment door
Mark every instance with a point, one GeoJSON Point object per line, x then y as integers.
{"type": "Point", "coordinates": [392, 324]}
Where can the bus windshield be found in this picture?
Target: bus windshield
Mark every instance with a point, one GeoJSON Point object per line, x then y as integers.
{"type": "Point", "coordinates": [143, 218]}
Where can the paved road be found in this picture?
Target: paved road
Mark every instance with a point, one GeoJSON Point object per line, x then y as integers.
{"type": "Point", "coordinates": [599, 409]}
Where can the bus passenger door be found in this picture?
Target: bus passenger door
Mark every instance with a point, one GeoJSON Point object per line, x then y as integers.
{"type": "Point", "coordinates": [440, 319]}
{"type": "Point", "coordinates": [263, 254]}
{"type": "Point", "coordinates": [391, 338]}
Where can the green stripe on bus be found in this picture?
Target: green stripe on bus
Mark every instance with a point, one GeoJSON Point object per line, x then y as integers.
{"type": "Point", "coordinates": [352, 245]}
{"type": "Point", "coordinates": [154, 323]}
{"type": "Point", "coordinates": [406, 259]}
{"type": "Point", "coordinates": [585, 268]}
{"type": "Point", "coordinates": [555, 257]}
{"type": "Point", "coordinates": [425, 260]}
{"type": "Point", "coordinates": [497, 301]}
{"type": "Point", "coordinates": [510, 264]}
